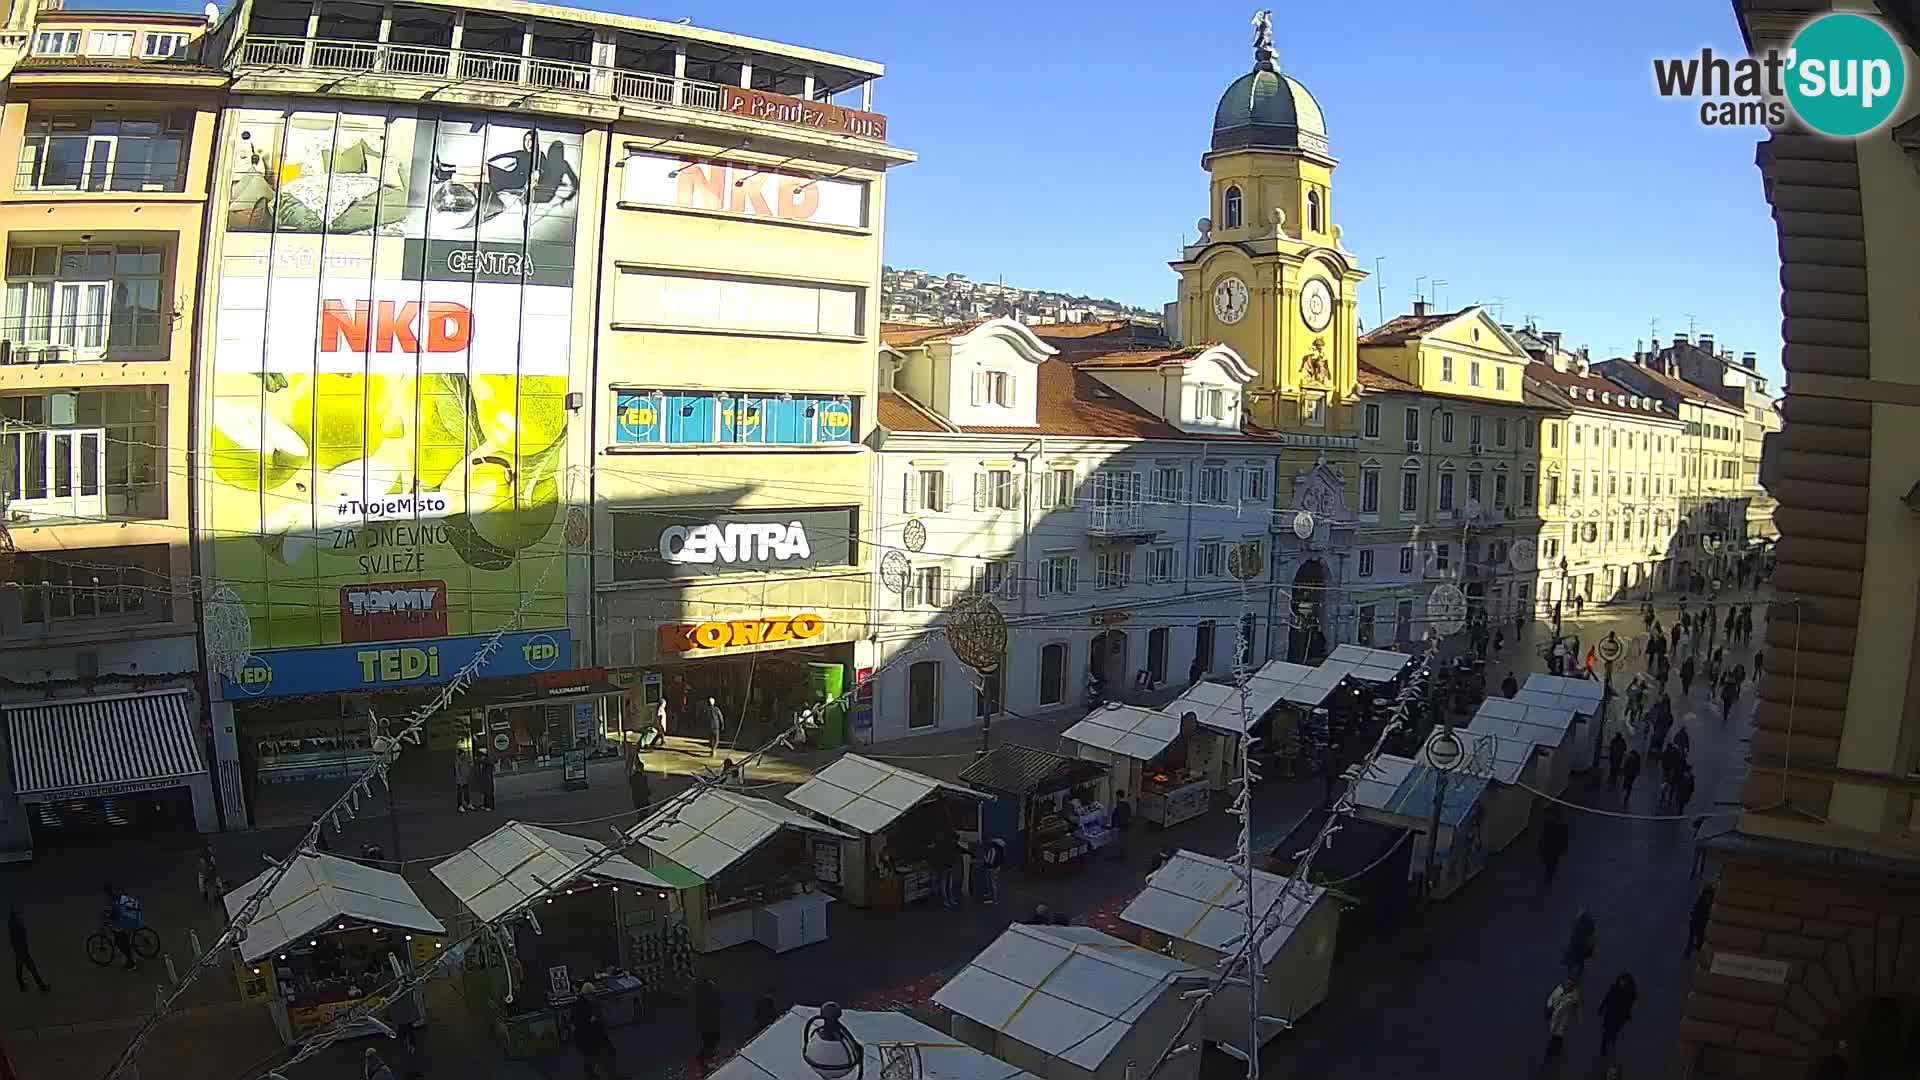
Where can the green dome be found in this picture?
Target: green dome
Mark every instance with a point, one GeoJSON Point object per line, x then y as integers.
{"type": "Point", "coordinates": [1266, 109]}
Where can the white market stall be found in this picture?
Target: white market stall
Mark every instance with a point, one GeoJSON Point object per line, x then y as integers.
{"type": "Point", "coordinates": [1147, 752]}
{"type": "Point", "coordinates": [618, 927]}
{"type": "Point", "coordinates": [330, 932]}
{"type": "Point", "coordinates": [1194, 908]}
{"type": "Point", "coordinates": [896, 816]}
{"type": "Point", "coordinates": [1502, 757]}
{"type": "Point", "coordinates": [885, 1039]}
{"type": "Point", "coordinates": [1072, 1003]}
{"type": "Point", "coordinates": [1582, 697]}
{"type": "Point", "coordinates": [745, 868]}
{"type": "Point", "coordinates": [1400, 791]}
{"type": "Point", "coordinates": [1551, 726]}
{"type": "Point", "coordinates": [1213, 750]}
{"type": "Point", "coordinates": [1375, 667]}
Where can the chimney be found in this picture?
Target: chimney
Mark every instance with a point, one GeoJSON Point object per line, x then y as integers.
{"type": "Point", "coordinates": [1553, 340]}
{"type": "Point", "coordinates": [1419, 307]}
{"type": "Point", "coordinates": [1679, 340]}
{"type": "Point", "coordinates": [1750, 359]}
{"type": "Point", "coordinates": [1706, 344]}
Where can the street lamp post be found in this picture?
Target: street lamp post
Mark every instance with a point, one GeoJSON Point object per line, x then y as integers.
{"type": "Point", "coordinates": [1444, 755]}
{"type": "Point", "coordinates": [832, 1052]}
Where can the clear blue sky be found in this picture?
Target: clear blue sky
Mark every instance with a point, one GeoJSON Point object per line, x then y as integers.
{"type": "Point", "coordinates": [1513, 148]}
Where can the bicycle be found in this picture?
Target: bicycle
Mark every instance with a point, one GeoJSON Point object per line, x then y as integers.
{"type": "Point", "coordinates": [101, 949]}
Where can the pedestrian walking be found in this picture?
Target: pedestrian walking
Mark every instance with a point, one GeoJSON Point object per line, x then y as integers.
{"type": "Point", "coordinates": [1716, 665]}
{"type": "Point", "coordinates": [207, 875]}
{"type": "Point", "coordinates": [1121, 819]}
{"type": "Point", "coordinates": [707, 1020]}
{"type": "Point", "coordinates": [993, 855]}
{"type": "Point", "coordinates": [639, 784]}
{"type": "Point", "coordinates": [1683, 791]}
{"type": "Point", "coordinates": [23, 964]}
{"type": "Point", "coordinates": [1616, 757]}
{"type": "Point", "coordinates": [1686, 676]}
{"type": "Point", "coordinates": [1759, 665]}
{"type": "Point", "coordinates": [1663, 673]}
{"type": "Point", "coordinates": [1697, 920]}
{"type": "Point", "coordinates": [1580, 943]}
{"type": "Point", "coordinates": [1616, 1008]}
{"type": "Point", "coordinates": [1729, 693]}
{"type": "Point", "coordinates": [590, 1036]}
{"type": "Point", "coordinates": [1499, 640]}
{"type": "Point", "coordinates": [1656, 638]}
{"type": "Point", "coordinates": [716, 723]}
{"type": "Point", "coordinates": [1510, 686]}
{"type": "Point", "coordinates": [1646, 617]}
{"type": "Point", "coordinates": [942, 859]}
{"type": "Point", "coordinates": [1673, 636]}
{"type": "Point", "coordinates": [372, 1067]}
{"type": "Point", "coordinates": [462, 781]}
{"type": "Point", "coordinates": [1683, 740]}
{"type": "Point", "coordinates": [1740, 675]}
{"type": "Point", "coordinates": [483, 772]}
{"type": "Point", "coordinates": [1563, 1011]}
{"type": "Point", "coordinates": [1629, 773]}
{"type": "Point", "coordinates": [1553, 844]}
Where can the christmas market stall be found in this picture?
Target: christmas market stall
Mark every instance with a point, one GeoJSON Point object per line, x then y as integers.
{"type": "Point", "coordinates": [1401, 791]}
{"type": "Point", "coordinates": [1369, 860]}
{"type": "Point", "coordinates": [1374, 667]}
{"type": "Point", "coordinates": [1032, 806]}
{"type": "Point", "coordinates": [1500, 754]}
{"type": "Point", "coordinates": [891, 1044]}
{"type": "Point", "coordinates": [896, 816]}
{"type": "Point", "coordinates": [330, 933]}
{"type": "Point", "coordinates": [744, 867]}
{"type": "Point", "coordinates": [1147, 751]}
{"type": "Point", "coordinates": [1072, 1003]}
{"type": "Point", "coordinates": [1224, 720]}
{"type": "Point", "coordinates": [1194, 909]}
{"type": "Point", "coordinates": [615, 933]}
{"type": "Point", "coordinates": [1583, 698]}
{"type": "Point", "coordinates": [1551, 726]}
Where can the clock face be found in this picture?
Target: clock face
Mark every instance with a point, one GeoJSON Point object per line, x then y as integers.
{"type": "Point", "coordinates": [1230, 300]}
{"type": "Point", "coordinates": [1316, 304]}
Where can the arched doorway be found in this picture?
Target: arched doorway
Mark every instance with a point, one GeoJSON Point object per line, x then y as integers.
{"type": "Point", "coordinates": [1108, 659]}
{"type": "Point", "coordinates": [1306, 643]}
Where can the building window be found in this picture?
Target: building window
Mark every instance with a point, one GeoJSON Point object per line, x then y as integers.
{"type": "Point", "coordinates": [56, 43]}
{"type": "Point", "coordinates": [1475, 431]}
{"type": "Point", "coordinates": [122, 583]}
{"type": "Point", "coordinates": [1203, 637]}
{"type": "Point", "coordinates": [161, 46]}
{"type": "Point", "coordinates": [1059, 574]}
{"type": "Point", "coordinates": [110, 43]}
{"type": "Point", "coordinates": [1446, 427]}
{"type": "Point", "coordinates": [1576, 434]}
{"type": "Point", "coordinates": [987, 699]}
{"type": "Point", "coordinates": [1527, 493]}
{"type": "Point", "coordinates": [928, 491]}
{"type": "Point", "coordinates": [1499, 377]}
{"type": "Point", "coordinates": [1406, 559]}
{"type": "Point", "coordinates": [1446, 369]}
{"type": "Point", "coordinates": [1113, 569]}
{"type": "Point", "coordinates": [1473, 373]}
{"type": "Point", "coordinates": [1550, 548]}
{"type": "Point", "coordinates": [996, 577]}
{"type": "Point", "coordinates": [1443, 556]}
{"type": "Point", "coordinates": [1413, 427]}
{"type": "Point", "coordinates": [1369, 489]}
{"type": "Point", "coordinates": [701, 302]}
{"type": "Point", "coordinates": [1500, 431]}
{"type": "Point", "coordinates": [1161, 564]}
{"type": "Point", "coordinates": [1500, 489]}
{"type": "Point", "coordinates": [1446, 492]}
{"type": "Point", "coordinates": [1316, 218]}
{"type": "Point", "coordinates": [1526, 434]}
{"type": "Point", "coordinates": [1231, 209]}
{"type": "Point", "coordinates": [1363, 631]}
{"type": "Point", "coordinates": [1253, 552]}
{"type": "Point", "coordinates": [996, 489]}
{"type": "Point", "coordinates": [1313, 410]}
{"type": "Point", "coordinates": [1213, 485]}
{"type": "Point", "coordinates": [1370, 421]}
{"type": "Point", "coordinates": [85, 151]}
{"type": "Point", "coordinates": [1056, 488]}
{"type": "Point", "coordinates": [1253, 484]}
{"type": "Point", "coordinates": [923, 694]}
{"type": "Point", "coordinates": [730, 418]}
{"type": "Point", "coordinates": [1553, 491]}
{"type": "Point", "coordinates": [1410, 491]}
{"type": "Point", "coordinates": [1053, 673]}
{"type": "Point", "coordinates": [83, 455]}
{"type": "Point", "coordinates": [1403, 620]}
{"type": "Point", "coordinates": [1473, 487]}
{"type": "Point", "coordinates": [1212, 404]}
{"type": "Point", "coordinates": [1158, 640]}
{"type": "Point", "coordinates": [993, 388]}
{"type": "Point", "coordinates": [1613, 440]}
{"type": "Point", "coordinates": [1576, 485]}
{"type": "Point", "coordinates": [1613, 485]}
{"type": "Point", "coordinates": [1553, 436]}
{"type": "Point", "coordinates": [926, 588]}
{"type": "Point", "coordinates": [1167, 488]}
{"type": "Point", "coordinates": [85, 301]}
{"type": "Point", "coordinates": [1366, 562]}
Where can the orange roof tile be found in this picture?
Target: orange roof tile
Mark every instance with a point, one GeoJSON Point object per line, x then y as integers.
{"type": "Point", "coordinates": [898, 412]}
{"type": "Point", "coordinates": [1372, 378]}
{"type": "Point", "coordinates": [1111, 335]}
{"type": "Point", "coordinates": [1135, 358]}
{"type": "Point", "coordinates": [908, 335]}
{"type": "Point", "coordinates": [1069, 402]}
{"type": "Point", "coordinates": [1402, 328]}
{"type": "Point", "coordinates": [1677, 386]}
{"type": "Point", "coordinates": [1567, 382]}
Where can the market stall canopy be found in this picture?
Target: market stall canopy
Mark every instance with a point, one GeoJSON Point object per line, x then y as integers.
{"type": "Point", "coordinates": [1324, 680]}
{"type": "Point", "coordinates": [1370, 665]}
{"type": "Point", "coordinates": [1012, 769]}
{"type": "Point", "coordinates": [1582, 696]}
{"type": "Point", "coordinates": [1295, 684]}
{"type": "Point", "coordinates": [1495, 749]}
{"type": "Point", "coordinates": [774, 1054]}
{"type": "Point", "coordinates": [1553, 718]}
{"type": "Point", "coordinates": [1199, 899]}
{"type": "Point", "coordinates": [123, 743]}
{"type": "Point", "coordinates": [518, 861]}
{"type": "Point", "coordinates": [719, 828]}
{"type": "Point", "coordinates": [1071, 992]}
{"type": "Point", "coordinates": [1403, 787]}
{"type": "Point", "coordinates": [1217, 705]}
{"type": "Point", "coordinates": [867, 795]}
{"type": "Point", "coordinates": [1360, 846]}
{"type": "Point", "coordinates": [1127, 730]}
{"type": "Point", "coordinates": [319, 889]}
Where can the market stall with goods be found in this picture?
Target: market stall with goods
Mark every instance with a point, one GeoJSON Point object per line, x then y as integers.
{"type": "Point", "coordinates": [1401, 791]}
{"type": "Point", "coordinates": [1071, 1001]}
{"type": "Point", "coordinates": [1032, 793]}
{"type": "Point", "coordinates": [1148, 753]}
{"type": "Point", "coordinates": [329, 934]}
{"type": "Point", "coordinates": [615, 934]}
{"type": "Point", "coordinates": [1194, 908]}
{"type": "Point", "coordinates": [903, 823]}
{"type": "Point", "coordinates": [744, 867]}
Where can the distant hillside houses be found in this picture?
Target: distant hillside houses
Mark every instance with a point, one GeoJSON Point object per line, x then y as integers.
{"type": "Point", "coordinates": [930, 299]}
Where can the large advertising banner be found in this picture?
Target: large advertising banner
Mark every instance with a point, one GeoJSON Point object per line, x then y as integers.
{"type": "Point", "coordinates": [387, 432]}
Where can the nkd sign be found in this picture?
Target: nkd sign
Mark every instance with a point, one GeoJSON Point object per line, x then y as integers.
{"type": "Point", "coordinates": [698, 543]}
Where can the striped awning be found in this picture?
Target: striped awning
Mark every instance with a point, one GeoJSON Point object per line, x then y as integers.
{"type": "Point", "coordinates": [103, 745]}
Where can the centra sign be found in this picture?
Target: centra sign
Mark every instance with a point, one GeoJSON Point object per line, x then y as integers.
{"type": "Point", "coordinates": [735, 542]}
{"type": "Point", "coordinates": [687, 637]}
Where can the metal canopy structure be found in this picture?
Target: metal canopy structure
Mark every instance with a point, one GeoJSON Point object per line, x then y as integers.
{"type": "Point", "coordinates": [1217, 705]}
{"type": "Point", "coordinates": [867, 795]}
{"type": "Point", "coordinates": [1495, 749]}
{"type": "Point", "coordinates": [1404, 787]}
{"type": "Point", "coordinates": [319, 890]}
{"type": "Point", "coordinates": [1370, 665]}
{"type": "Point", "coordinates": [1581, 696]}
{"type": "Point", "coordinates": [719, 828]}
{"type": "Point", "coordinates": [1127, 730]}
{"type": "Point", "coordinates": [1070, 992]}
{"type": "Point", "coordinates": [1296, 684]}
{"type": "Point", "coordinates": [1553, 719]}
{"type": "Point", "coordinates": [518, 861]}
{"type": "Point", "coordinates": [1198, 899]}
{"type": "Point", "coordinates": [775, 1054]}
{"type": "Point", "coordinates": [122, 743]}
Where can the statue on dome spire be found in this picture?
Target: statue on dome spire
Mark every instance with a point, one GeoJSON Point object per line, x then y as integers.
{"type": "Point", "coordinates": [1262, 37]}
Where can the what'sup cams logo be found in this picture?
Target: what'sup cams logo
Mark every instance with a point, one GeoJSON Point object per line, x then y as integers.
{"type": "Point", "coordinates": [1843, 75]}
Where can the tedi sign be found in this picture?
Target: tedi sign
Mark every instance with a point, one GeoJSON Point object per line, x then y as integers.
{"type": "Point", "coordinates": [735, 542]}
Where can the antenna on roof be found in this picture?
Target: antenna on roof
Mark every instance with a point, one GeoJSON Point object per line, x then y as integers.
{"type": "Point", "coordinates": [1690, 324]}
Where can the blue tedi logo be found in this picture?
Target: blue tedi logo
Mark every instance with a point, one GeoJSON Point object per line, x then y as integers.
{"type": "Point", "coordinates": [1844, 76]}
{"type": "Point", "coordinates": [255, 678]}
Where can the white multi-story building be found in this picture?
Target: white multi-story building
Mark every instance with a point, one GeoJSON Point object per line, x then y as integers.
{"type": "Point", "coordinates": [1097, 501]}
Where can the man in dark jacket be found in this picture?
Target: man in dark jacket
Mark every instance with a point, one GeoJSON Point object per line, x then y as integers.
{"type": "Point", "coordinates": [1616, 1008]}
{"type": "Point", "coordinates": [706, 1020]}
{"type": "Point", "coordinates": [1616, 757]}
{"type": "Point", "coordinates": [1629, 772]}
{"type": "Point", "coordinates": [1509, 686]}
{"type": "Point", "coordinates": [1686, 675]}
{"type": "Point", "coordinates": [590, 1036]}
{"type": "Point", "coordinates": [23, 964]}
{"type": "Point", "coordinates": [1122, 819]}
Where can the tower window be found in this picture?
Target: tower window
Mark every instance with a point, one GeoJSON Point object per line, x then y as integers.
{"type": "Point", "coordinates": [1314, 221]}
{"type": "Point", "coordinates": [1230, 208]}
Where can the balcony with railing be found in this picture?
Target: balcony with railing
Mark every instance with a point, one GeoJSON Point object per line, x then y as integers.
{"type": "Point", "coordinates": [1120, 521]}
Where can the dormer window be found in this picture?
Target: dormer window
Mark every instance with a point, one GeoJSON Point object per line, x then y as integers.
{"type": "Point", "coordinates": [1213, 404]}
{"type": "Point", "coordinates": [1230, 209]}
{"type": "Point", "coordinates": [993, 388]}
{"type": "Point", "coordinates": [1315, 217]}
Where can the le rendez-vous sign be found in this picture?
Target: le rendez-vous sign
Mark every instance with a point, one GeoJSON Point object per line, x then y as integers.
{"type": "Point", "coordinates": [781, 109]}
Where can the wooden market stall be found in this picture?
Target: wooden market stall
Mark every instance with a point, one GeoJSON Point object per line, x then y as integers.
{"type": "Point", "coordinates": [896, 816]}
{"type": "Point", "coordinates": [1581, 697]}
{"type": "Point", "coordinates": [1032, 793]}
{"type": "Point", "coordinates": [1400, 791]}
{"type": "Point", "coordinates": [330, 933]}
{"type": "Point", "coordinates": [1146, 749]}
{"type": "Point", "coordinates": [1072, 1003]}
{"type": "Point", "coordinates": [744, 867]}
{"type": "Point", "coordinates": [775, 1053]}
{"type": "Point", "coordinates": [1194, 909]}
{"type": "Point", "coordinates": [616, 933]}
